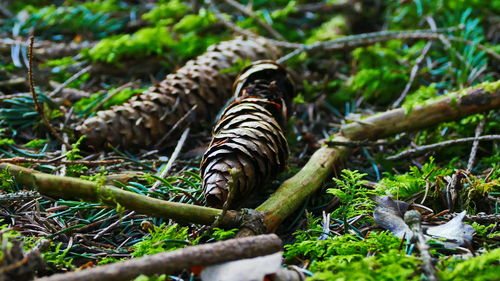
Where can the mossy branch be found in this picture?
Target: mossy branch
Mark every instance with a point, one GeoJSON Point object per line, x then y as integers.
{"type": "Point", "coordinates": [74, 188]}
{"type": "Point", "coordinates": [294, 191]}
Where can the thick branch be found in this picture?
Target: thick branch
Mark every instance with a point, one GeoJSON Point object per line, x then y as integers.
{"type": "Point", "coordinates": [446, 108]}
{"type": "Point", "coordinates": [73, 188]}
{"type": "Point", "coordinates": [294, 191]}
{"type": "Point", "coordinates": [171, 262]}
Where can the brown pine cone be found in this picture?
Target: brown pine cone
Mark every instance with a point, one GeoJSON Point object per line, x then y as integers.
{"type": "Point", "coordinates": [249, 137]}
{"type": "Point", "coordinates": [198, 86]}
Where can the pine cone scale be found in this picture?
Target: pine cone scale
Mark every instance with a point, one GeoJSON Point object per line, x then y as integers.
{"type": "Point", "coordinates": [249, 136]}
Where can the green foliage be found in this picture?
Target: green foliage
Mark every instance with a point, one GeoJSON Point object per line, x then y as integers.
{"type": "Point", "coordinates": [221, 234]}
{"type": "Point", "coordinates": [485, 231]}
{"type": "Point", "coordinates": [195, 22]}
{"type": "Point", "coordinates": [239, 65]}
{"type": "Point", "coordinates": [52, 20]}
{"type": "Point", "coordinates": [329, 30]}
{"type": "Point", "coordinates": [103, 6]}
{"type": "Point", "coordinates": [4, 141]}
{"type": "Point", "coordinates": [175, 35]}
{"type": "Point", "coordinates": [393, 265]}
{"type": "Point", "coordinates": [58, 257]}
{"type": "Point", "coordinates": [354, 197]}
{"type": "Point", "coordinates": [481, 268]}
{"type": "Point", "coordinates": [74, 154]}
{"type": "Point", "coordinates": [167, 12]}
{"type": "Point", "coordinates": [404, 186]}
{"type": "Point", "coordinates": [87, 105]}
{"type": "Point", "coordinates": [7, 183]}
{"type": "Point", "coordinates": [36, 143]}
{"type": "Point", "coordinates": [420, 96]}
{"type": "Point", "coordinates": [144, 42]}
{"type": "Point", "coordinates": [382, 72]}
{"type": "Point", "coordinates": [163, 238]}
{"type": "Point", "coordinates": [19, 112]}
{"type": "Point", "coordinates": [107, 260]}
{"type": "Point", "coordinates": [346, 247]}
{"type": "Point", "coordinates": [142, 277]}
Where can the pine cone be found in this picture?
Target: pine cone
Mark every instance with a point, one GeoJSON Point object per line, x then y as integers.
{"type": "Point", "coordinates": [198, 86]}
{"type": "Point", "coordinates": [249, 137]}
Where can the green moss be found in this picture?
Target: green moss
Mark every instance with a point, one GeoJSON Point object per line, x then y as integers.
{"type": "Point", "coordinates": [144, 42]}
{"type": "Point", "coordinates": [331, 29]}
{"type": "Point", "coordinates": [480, 268]}
{"type": "Point", "coordinates": [162, 238]}
{"type": "Point", "coordinates": [407, 185]}
{"type": "Point", "coordinates": [489, 86]}
{"type": "Point", "coordinates": [169, 10]}
{"type": "Point", "coordinates": [393, 265]}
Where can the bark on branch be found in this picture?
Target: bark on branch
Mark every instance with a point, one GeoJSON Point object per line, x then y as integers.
{"type": "Point", "coordinates": [171, 262]}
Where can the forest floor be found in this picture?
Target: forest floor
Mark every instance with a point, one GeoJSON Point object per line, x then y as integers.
{"type": "Point", "coordinates": [92, 56]}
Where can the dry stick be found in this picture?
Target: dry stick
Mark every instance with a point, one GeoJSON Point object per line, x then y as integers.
{"type": "Point", "coordinates": [71, 79]}
{"type": "Point", "coordinates": [229, 24]}
{"type": "Point", "coordinates": [434, 146]}
{"type": "Point", "coordinates": [38, 106]}
{"type": "Point", "coordinates": [18, 160]}
{"type": "Point", "coordinates": [111, 95]}
{"type": "Point", "coordinates": [171, 262]}
{"type": "Point", "coordinates": [475, 144]}
{"type": "Point", "coordinates": [365, 39]}
{"type": "Point", "coordinates": [172, 159]}
{"type": "Point", "coordinates": [21, 95]}
{"type": "Point", "coordinates": [413, 219]}
{"type": "Point", "coordinates": [413, 74]}
{"type": "Point", "coordinates": [12, 82]}
{"type": "Point", "coordinates": [354, 144]}
{"type": "Point", "coordinates": [113, 225]}
{"type": "Point", "coordinates": [250, 13]}
{"type": "Point", "coordinates": [294, 191]}
{"type": "Point", "coordinates": [174, 127]}
{"type": "Point", "coordinates": [74, 188]}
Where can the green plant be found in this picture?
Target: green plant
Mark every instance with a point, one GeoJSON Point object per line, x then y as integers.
{"type": "Point", "coordinates": [221, 234]}
{"type": "Point", "coordinates": [162, 238]}
{"type": "Point", "coordinates": [393, 265]}
{"type": "Point", "coordinates": [404, 186]}
{"type": "Point", "coordinates": [481, 268]}
{"type": "Point", "coordinates": [7, 183]}
{"type": "Point", "coordinates": [353, 195]}
{"type": "Point", "coordinates": [58, 257]}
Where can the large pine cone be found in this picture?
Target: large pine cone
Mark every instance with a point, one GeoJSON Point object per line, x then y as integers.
{"type": "Point", "coordinates": [199, 85]}
{"type": "Point", "coordinates": [249, 138]}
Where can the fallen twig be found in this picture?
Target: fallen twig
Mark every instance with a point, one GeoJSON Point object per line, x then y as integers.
{"type": "Point", "coordinates": [38, 106]}
{"type": "Point", "coordinates": [251, 14]}
{"type": "Point", "coordinates": [475, 144]}
{"type": "Point", "coordinates": [18, 160]}
{"type": "Point", "coordinates": [353, 144]}
{"type": "Point", "coordinates": [171, 262]}
{"type": "Point", "coordinates": [413, 74]}
{"type": "Point", "coordinates": [172, 159]}
{"type": "Point", "coordinates": [71, 79]}
{"type": "Point", "coordinates": [439, 145]}
{"type": "Point", "coordinates": [359, 40]}
{"type": "Point", "coordinates": [413, 220]}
